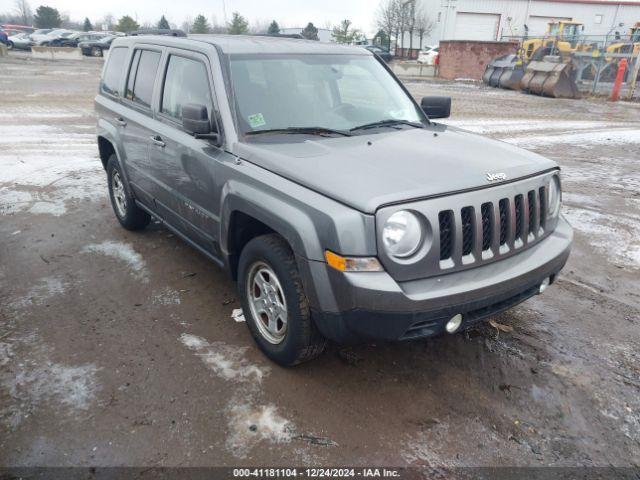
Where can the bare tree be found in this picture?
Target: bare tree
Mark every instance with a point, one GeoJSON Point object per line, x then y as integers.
{"type": "Point", "coordinates": [186, 25]}
{"type": "Point", "coordinates": [410, 8]}
{"type": "Point", "coordinates": [259, 26]}
{"type": "Point", "coordinates": [107, 22]}
{"type": "Point", "coordinates": [424, 25]}
{"type": "Point", "coordinates": [386, 18]}
{"type": "Point", "coordinates": [23, 11]}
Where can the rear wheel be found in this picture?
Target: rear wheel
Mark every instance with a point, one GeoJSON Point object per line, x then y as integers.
{"type": "Point", "coordinates": [96, 52]}
{"type": "Point", "coordinates": [274, 303]}
{"type": "Point", "coordinates": [127, 212]}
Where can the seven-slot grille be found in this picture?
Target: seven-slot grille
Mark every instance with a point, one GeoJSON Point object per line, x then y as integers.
{"type": "Point", "coordinates": [506, 224]}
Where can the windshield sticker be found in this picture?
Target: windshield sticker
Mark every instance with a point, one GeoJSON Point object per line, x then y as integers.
{"type": "Point", "coordinates": [256, 120]}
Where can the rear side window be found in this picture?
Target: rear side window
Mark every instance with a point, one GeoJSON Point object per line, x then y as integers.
{"type": "Point", "coordinates": [113, 71]}
{"type": "Point", "coordinates": [186, 82]}
{"type": "Point", "coordinates": [142, 76]}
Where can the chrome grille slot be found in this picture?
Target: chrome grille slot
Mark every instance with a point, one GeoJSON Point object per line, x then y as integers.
{"type": "Point", "coordinates": [519, 204]}
{"type": "Point", "coordinates": [487, 225]}
{"type": "Point", "coordinates": [504, 220]}
{"type": "Point", "coordinates": [446, 234]}
{"type": "Point", "coordinates": [543, 207]}
{"type": "Point", "coordinates": [467, 230]}
{"type": "Point", "coordinates": [533, 209]}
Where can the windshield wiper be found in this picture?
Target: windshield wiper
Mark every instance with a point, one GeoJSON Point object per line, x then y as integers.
{"type": "Point", "coordinates": [387, 123]}
{"type": "Point", "coordinates": [303, 130]}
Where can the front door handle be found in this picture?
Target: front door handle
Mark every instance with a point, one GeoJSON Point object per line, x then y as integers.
{"type": "Point", "coordinates": [120, 121]}
{"type": "Point", "coordinates": [157, 140]}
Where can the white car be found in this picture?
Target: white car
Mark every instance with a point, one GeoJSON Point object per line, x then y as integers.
{"type": "Point", "coordinates": [428, 55]}
{"type": "Point", "coordinates": [46, 38]}
{"type": "Point", "coordinates": [21, 41]}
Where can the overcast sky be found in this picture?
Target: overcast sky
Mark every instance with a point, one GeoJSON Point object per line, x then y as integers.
{"type": "Point", "coordinates": [288, 13]}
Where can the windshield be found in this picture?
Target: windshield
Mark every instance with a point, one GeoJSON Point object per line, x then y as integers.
{"type": "Point", "coordinates": [339, 92]}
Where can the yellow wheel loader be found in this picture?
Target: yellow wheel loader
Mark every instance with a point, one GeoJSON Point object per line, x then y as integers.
{"type": "Point", "coordinates": [562, 38]}
{"type": "Point", "coordinates": [631, 47]}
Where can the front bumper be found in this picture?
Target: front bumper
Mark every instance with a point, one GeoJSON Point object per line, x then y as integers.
{"type": "Point", "coordinates": [353, 306]}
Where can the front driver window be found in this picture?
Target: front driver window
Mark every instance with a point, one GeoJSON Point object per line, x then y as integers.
{"type": "Point", "coordinates": [186, 82]}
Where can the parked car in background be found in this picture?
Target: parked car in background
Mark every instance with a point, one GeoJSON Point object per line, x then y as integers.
{"type": "Point", "coordinates": [96, 48]}
{"type": "Point", "coordinates": [381, 52]}
{"type": "Point", "coordinates": [40, 34]}
{"type": "Point", "coordinates": [428, 55]}
{"type": "Point", "coordinates": [21, 41]}
{"type": "Point", "coordinates": [75, 38]}
{"type": "Point", "coordinates": [52, 36]}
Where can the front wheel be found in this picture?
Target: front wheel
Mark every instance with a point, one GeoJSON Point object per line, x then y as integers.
{"type": "Point", "coordinates": [274, 303]}
{"type": "Point", "coordinates": [96, 52]}
{"type": "Point", "coordinates": [10, 46]}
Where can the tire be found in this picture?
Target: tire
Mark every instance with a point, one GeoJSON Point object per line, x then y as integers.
{"type": "Point", "coordinates": [96, 52]}
{"type": "Point", "coordinates": [299, 340]}
{"type": "Point", "coordinates": [127, 212]}
{"type": "Point", "coordinates": [10, 46]}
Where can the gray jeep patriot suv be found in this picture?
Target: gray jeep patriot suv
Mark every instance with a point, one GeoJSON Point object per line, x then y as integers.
{"type": "Point", "coordinates": [309, 173]}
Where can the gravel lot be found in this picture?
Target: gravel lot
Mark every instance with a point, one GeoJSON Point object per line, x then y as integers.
{"type": "Point", "coordinates": [118, 348]}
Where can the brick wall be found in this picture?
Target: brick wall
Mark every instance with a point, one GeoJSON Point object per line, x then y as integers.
{"type": "Point", "coordinates": [468, 59]}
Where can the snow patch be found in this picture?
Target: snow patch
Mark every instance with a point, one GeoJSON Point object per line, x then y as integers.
{"type": "Point", "coordinates": [225, 361]}
{"type": "Point", "coordinates": [249, 425]}
{"type": "Point", "coordinates": [45, 289]}
{"type": "Point", "coordinates": [124, 253]}
{"type": "Point", "coordinates": [488, 126]}
{"type": "Point", "coordinates": [167, 296]}
{"type": "Point", "coordinates": [617, 238]}
{"type": "Point", "coordinates": [34, 379]}
{"type": "Point", "coordinates": [583, 139]}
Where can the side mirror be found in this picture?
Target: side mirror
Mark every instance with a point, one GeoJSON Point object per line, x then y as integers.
{"type": "Point", "coordinates": [195, 121]}
{"type": "Point", "coordinates": [436, 107]}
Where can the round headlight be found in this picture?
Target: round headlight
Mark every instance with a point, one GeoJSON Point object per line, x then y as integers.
{"type": "Point", "coordinates": [402, 234]}
{"type": "Point", "coordinates": [554, 196]}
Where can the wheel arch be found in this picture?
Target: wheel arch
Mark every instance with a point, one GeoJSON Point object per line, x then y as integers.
{"type": "Point", "coordinates": [248, 212]}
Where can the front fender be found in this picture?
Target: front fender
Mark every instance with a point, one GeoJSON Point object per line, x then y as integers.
{"type": "Point", "coordinates": [309, 221]}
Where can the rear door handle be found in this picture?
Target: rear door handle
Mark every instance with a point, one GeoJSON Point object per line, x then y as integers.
{"type": "Point", "coordinates": [120, 121]}
{"type": "Point", "coordinates": [157, 140]}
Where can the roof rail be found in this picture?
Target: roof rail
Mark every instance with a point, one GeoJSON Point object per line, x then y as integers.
{"type": "Point", "coordinates": [159, 31]}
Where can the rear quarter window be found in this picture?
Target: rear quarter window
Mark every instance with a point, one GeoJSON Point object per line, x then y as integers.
{"type": "Point", "coordinates": [113, 72]}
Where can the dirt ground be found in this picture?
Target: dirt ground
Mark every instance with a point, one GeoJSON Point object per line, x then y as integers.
{"type": "Point", "coordinates": [118, 348]}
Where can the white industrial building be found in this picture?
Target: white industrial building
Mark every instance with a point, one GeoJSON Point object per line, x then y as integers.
{"type": "Point", "coordinates": [496, 19]}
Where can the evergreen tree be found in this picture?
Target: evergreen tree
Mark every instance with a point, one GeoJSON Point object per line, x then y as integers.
{"type": "Point", "coordinates": [47, 17]}
{"type": "Point", "coordinates": [310, 32]}
{"type": "Point", "coordinates": [164, 23]}
{"type": "Point", "coordinates": [127, 24]}
{"type": "Point", "coordinates": [238, 24]}
{"type": "Point", "coordinates": [200, 25]}
{"type": "Point", "coordinates": [86, 26]}
{"type": "Point", "coordinates": [274, 28]}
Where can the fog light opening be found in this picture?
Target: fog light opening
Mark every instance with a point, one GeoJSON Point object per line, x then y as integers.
{"type": "Point", "coordinates": [453, 325]}
{"type": "Point", "coordinates": [545, 283]}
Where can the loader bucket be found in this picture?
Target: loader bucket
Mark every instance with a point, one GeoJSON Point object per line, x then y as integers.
{"type": "Point", "coordinates": [504, 72]}
{"type": "Point", "coordinates": [550, 78]}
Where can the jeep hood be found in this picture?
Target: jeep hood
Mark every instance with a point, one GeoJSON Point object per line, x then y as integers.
{"type": "Point", "coordinates": [367, 171]}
